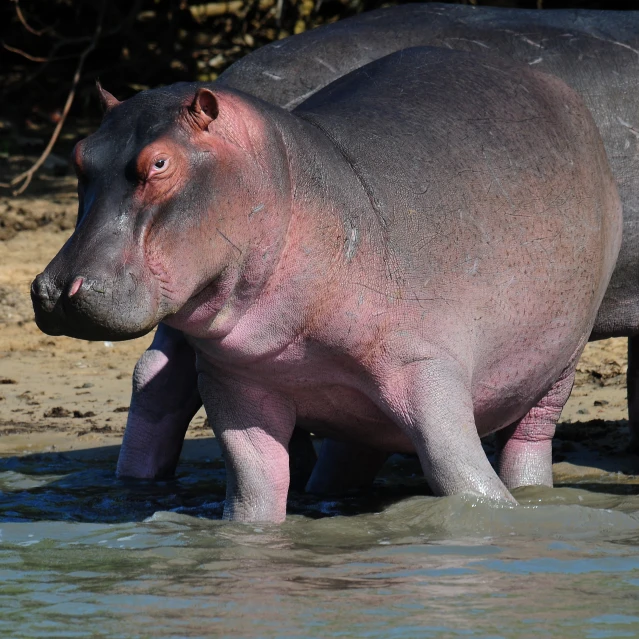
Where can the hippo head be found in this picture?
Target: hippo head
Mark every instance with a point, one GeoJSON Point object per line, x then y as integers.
{"type": "Point", "coordinates": [165, 188]}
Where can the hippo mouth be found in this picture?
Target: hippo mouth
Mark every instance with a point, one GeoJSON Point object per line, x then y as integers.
{"type": "Point", "coordinates": [91, 309]}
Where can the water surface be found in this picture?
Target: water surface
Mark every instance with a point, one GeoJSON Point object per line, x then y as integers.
{"type": "Point", "coordinates": [85, 555]}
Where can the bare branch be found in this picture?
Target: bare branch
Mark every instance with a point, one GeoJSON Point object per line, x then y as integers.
{"type": "Point", "coordinates": [24, 54]}
{"type": "Point", "coordinates": [25, 24]}
{"type": "Point", "coordinates": [27, 176]}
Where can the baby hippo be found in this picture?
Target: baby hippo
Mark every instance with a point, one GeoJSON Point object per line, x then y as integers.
{"type": "Point", "coordinates": [411, 259]}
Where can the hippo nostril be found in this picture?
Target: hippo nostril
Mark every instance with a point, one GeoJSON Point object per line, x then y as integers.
{"type": "Point", "coordinates": [39, 287]}
{"type": "Point", "coordinates": [44, 293]}
{"type": "Point", "coordinates": [75, 287]}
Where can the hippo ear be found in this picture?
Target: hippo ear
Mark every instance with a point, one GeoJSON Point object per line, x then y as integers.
{"type": "Point", "coordinates": [204, 107]}
{"type": "Point", "coordinates": [107, 100]}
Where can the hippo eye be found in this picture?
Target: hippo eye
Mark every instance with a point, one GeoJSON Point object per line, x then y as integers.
{"type": "Point", "coordinates": [159, 166]}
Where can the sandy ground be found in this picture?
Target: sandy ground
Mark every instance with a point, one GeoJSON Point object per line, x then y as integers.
{"type": "Point", "coordinates": [58, 393]}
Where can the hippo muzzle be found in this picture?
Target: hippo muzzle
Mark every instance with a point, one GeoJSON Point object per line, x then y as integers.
{"type": "Point", "coordinates": [92, 308]}
{"type": "Point", "coordinates": [97, 287]}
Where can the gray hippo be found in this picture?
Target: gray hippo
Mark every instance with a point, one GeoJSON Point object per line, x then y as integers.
{"type": "Point", "coordinates": [411, 259]}
{"type": "Point", "coordinates": [595, 52]}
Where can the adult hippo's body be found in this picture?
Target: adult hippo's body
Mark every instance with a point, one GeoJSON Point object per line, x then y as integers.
{"type": "Point", "coordinates": [412, 259]}
{"type": "Point", "coordinates": [595, 52]}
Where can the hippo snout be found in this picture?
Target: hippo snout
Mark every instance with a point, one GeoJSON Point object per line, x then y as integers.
{"type": "Point", "coordinates": [49, 314]}
{"type": "Point", "coordinates": [64, 309]}
{"type": "Point", "coordinates": [90, 308]}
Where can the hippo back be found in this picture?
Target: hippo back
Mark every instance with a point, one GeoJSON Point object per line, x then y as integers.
{"type": "Point", "coordinates": [594, 52]}
{"type": "Point", "coordinates": [457, 152]}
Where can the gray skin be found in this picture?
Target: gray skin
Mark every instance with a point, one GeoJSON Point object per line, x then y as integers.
{"type": "Point", "coordinates": [595, 52]}
{"type": "Point", "coordinates": [412, 259]}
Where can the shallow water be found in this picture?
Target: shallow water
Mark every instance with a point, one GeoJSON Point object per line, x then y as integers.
{"type": "Point", "coordinates": [85, 555]}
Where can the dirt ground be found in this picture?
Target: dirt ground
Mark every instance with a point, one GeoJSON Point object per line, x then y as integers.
{"type": "Point", "coordinates": [58, 393]}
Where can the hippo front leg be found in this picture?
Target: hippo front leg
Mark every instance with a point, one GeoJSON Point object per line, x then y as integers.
{"type": "Point", "coordinates": [433, 405]}
{"type": "Point", "coordinates": [164, 400]}
{"type": "Point", "coordinates": [253, 427]}
{"type": "Point", "coordinates": [525, 448]}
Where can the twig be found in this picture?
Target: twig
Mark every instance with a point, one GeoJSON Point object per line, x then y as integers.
{"type": "Point", "coordinates": [124, 25]}
{"type": "Point", "coordinates": [25, 24]}
{"type": "Point", "coordinates": [24, 54]}
{"type": "Point", "coordinates": [28, 175]}
{"type": "Point", "coordinates": [202, 11]}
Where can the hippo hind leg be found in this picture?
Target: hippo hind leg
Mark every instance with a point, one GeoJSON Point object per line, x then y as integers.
{"type": "Point", "coordinates": [525, 447]}
{"type": "Point", "coordinates": [633, 392]}
{"type": "Point", "coordinates": [343, 466]}
{"type": "Point", "coordinates": [302, 459]}
{"type": "Point", "coordinates": [436, 412]}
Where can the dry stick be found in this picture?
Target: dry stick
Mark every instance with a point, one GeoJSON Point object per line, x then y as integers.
{"type": "Point", "coordinates": [24, 54]}
{"type": "Point", "coordinates": [28, 175]}
{"type": "Point", "coordinates": [25, 24]}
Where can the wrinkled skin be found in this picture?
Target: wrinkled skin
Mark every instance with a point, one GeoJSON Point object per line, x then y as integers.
{"type": "Point", "coordinates": [592, 51]}
{"type": "Point", "coordinates": [413, 293]}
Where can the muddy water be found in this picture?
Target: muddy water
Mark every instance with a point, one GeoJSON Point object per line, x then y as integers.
{"type": "Point", "coordinates": [85, 555]}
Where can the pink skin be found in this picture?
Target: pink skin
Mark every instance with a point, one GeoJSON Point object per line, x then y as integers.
{"type": "Point", "coordinates": [396, 28]}
{"type": "Point", "coordinates": [524, 443]}
{"type": "Point", "coordinates": [289, 356]}
{"type": "Point", "coordinates": [75, 287]}
{"type": "Point", "coordinates": [429, 331]}
{"type": "Point", "coordinates": [165, 395]}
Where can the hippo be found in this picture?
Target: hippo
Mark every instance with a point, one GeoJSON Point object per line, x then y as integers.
{"type": "Point", "coordinates": [411, 259]}
{"type": "Point", "coordinates": [594, 52]}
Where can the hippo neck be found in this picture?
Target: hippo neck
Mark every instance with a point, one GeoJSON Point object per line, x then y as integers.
{"type": "Point", "coordinates": [331, 226]}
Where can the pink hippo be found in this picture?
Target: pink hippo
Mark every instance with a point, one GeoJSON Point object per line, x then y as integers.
{"type": "Point", "coordinates": [410, 260]}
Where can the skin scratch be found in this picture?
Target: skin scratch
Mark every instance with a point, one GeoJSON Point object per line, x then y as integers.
{"type": "Point", "coordinates": [258, 208]}
{"type": "Point", "coordinates": [350, 243]}
{"type": "Point", "coordinates": [623, 45]}
{"type": "Point", "coordinates": [237, 248]}
{"type": "Point", "coordinates": [532, 43]}
{"type": "Point", "coordinates": [298, 100]}
{"type": "Point", "coordinates": [628, 126]}
{"type": "Point", "coordinates": [326, 64]}
{"type": "Point", "coordinates": [477, 42]}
